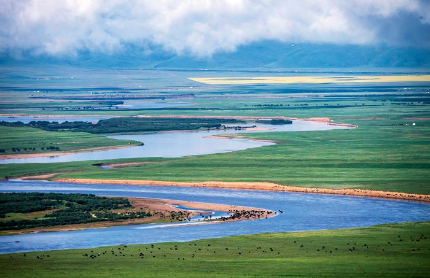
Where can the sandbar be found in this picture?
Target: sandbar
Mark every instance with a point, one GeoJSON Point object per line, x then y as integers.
{"type": "Point", "coordinates": [266, 186]}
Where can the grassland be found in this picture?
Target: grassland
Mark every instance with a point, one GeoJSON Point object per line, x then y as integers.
{"type": "Point", "coordinates": [27, 140]}
{"type": "Point", "coordinates": [390, 150]}
{"type": "Point", "coordinates": [385, 152]}
{"type": "Point", "coordinates": [332, 159]}
{"type": "Point", "coordinates": [395, 250]}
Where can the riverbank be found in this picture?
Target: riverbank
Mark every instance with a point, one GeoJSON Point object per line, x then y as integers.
{"type": "Point", "coordinates": [95, 149]}
{"type": "Point", "coordinates": [34, 155]}
{"type": "Point", "coordinates": [251, 118]}
{"type": "Point", "coordinates": [28, 142]}
{"type": "Point", "coordinates": [162, 211]}
{"type": "Point", "coordinates": [265, 186]}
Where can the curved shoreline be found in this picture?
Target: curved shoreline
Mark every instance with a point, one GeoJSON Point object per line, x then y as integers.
{"type": "Point", "coordinates": [35, 155]}
{"type": "Point", "coordinates": [159, 207]}
{"type": "Point", "coordinates": [265, 186]}
{"type": "Point", "coordinates": [321, 120]}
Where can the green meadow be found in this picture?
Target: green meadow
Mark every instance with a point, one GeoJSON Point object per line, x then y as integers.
{"type": "Point", "coordinates": [23, 140]}
{"type": "Point", "coordinates": [392, 250]}
{"type": "Point", "coordinates": [389, 150]}
{"type": "Point", "coordinates": [358, 158]}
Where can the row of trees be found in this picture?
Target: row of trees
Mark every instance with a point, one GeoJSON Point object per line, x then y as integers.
{"type": "Point", "coordinates": [275, 122]}
{"type": "Point", "coordinates": [127, 124]}
{"type": "Point", "coordinates": [15, 150]}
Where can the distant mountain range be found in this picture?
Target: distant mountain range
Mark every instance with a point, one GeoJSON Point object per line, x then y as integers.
{"type": "Point", "coordinates": [266, 54]}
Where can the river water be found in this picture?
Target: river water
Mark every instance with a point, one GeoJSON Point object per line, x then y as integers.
{"type": "Point", "coordinates": [301, 212]}
{"type": "Point", "coordinates": [177, 144]}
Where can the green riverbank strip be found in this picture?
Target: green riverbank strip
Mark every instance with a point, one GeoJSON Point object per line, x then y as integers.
{"type": "Point", "coordinates": [27, 140]}
{"type": "Point", "coordinates": [392, 250]}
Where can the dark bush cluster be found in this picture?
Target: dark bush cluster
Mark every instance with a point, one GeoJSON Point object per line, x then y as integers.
{"type": "Point", "coordinates": [127, 124]}
{"type": "Point", "coordinates": [68, 209]}
{"type": "Point", "coordinates": [275, 122]}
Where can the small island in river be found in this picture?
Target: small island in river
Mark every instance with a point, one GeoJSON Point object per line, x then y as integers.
{"type": "Point", "coordinates": [22, 213]}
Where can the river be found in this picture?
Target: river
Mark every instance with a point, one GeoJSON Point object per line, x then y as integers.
{"type": "Point", "coordinates": [301, 212]}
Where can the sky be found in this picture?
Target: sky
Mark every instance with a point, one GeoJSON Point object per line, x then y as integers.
{"type": "Point", "coordinates": [201, 28]}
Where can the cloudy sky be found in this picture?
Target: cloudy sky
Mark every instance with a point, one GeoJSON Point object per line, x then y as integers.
{"type": "Point", "coordinates": [203, 27]}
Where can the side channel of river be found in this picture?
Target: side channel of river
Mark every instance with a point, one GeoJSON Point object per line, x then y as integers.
{"type": "Point", "coordinates": [178, 144]}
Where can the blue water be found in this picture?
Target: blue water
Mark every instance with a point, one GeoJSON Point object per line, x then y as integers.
{"type": "Point", "coordinates": [301, 212]}
{"type": "Point", "coordinates": [176, 144]}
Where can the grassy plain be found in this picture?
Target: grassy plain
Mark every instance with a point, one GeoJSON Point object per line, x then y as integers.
{"type": "Point", "coordinates": [393, 250]}
{"type": "Point", "coordinates": [32, 140]}
{"type": "Point", "coordinates": [385, 152]}
{"type": "Point", "coordinates": [331, 159]}
{"type": "Point", "coordinates": [390, 149]}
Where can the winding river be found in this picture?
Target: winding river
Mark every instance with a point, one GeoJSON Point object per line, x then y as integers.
{"type": "Point", "coordinates": [301, 212]}
{"type": "Point", "coordinates": [178, 144]}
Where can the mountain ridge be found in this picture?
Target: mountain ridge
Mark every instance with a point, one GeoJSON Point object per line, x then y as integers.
{"type": "Point", "coordinates": [266, 54]}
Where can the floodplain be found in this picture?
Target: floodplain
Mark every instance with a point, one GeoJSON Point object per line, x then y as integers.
{"type": "Point", "coordinates": [385, 148]}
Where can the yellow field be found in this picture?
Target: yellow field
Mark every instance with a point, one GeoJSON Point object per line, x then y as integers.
{"type": "Point", "coordinates": [312, 79]}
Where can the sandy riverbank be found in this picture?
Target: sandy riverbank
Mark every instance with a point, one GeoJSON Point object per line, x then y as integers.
{"type": "Point", "coordinates": [161, 210]}
{"type": "Point", "coordinates": [263, 186]}
{"type": "Point", "coordinates": [33, 155]}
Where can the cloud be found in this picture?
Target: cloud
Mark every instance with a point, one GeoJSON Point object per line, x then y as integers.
{"type": "Point", "coordinates": [204, 27]}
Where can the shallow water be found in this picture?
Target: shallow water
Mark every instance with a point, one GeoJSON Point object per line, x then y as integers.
{"type": "Point", "coordinates": [301, 212]}
{"type": "Point", "coordinates": [177, 144]}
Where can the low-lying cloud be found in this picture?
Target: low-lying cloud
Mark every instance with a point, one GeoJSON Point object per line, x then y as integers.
{"type": "Point", "coordinates": [204, 27]}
